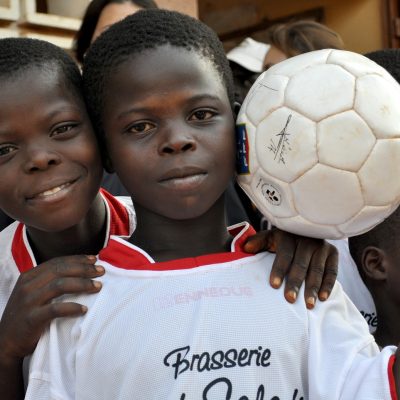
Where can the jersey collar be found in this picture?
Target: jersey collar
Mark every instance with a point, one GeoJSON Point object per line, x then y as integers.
{"type": "Point", "coordinates": [118, 223]}
{"type": "Point", "coordinates": [124, 255]}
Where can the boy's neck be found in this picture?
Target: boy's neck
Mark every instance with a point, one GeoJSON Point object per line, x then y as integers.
{"type": "Point", "coordinates": [87, 237]}
{"type": "Point", "coordinates": [166, 239]}
{"type": "Point", "coordinates": [388, 329]}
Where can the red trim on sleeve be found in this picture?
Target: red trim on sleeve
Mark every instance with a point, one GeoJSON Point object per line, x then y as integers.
{"type": "Point", "coordinates": [119, 216]}
{"type": "Point", "coordinates": [20, 252]}
{"type": "Point", "coordinates": [392, 382]}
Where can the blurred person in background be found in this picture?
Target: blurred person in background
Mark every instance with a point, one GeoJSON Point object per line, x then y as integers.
{"type": "Point", "coordinates": [247, 62]}
{"type": "Point", "coordinates": [250, 58]}
{"type": "Point", "coordinates": [100, 15]}
{"type": "Point", "coordinates": [298, 37]}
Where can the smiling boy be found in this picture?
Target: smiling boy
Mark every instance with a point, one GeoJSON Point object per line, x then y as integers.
{"type": "Point", "coordinates": [184, 317]}
{"type": "Point", "coordinates": [50, 173]}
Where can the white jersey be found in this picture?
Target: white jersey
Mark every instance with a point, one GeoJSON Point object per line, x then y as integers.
{"type": "Point", "coordinates": [16, 255]}
{"type": "Point", "coordinates": [353, 285]}
{"type": "Point", "coordinates": [208, 327]}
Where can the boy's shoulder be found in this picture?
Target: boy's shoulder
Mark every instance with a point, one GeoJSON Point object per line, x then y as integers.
{"type": "Point", "coordinates": [353, 285]}
{"type": "Point", "coordinates": [121, 214]}
{"type": "Point", "coordinates": [9, 270]}
{"type": "Point", "coordinates": [7, 241]}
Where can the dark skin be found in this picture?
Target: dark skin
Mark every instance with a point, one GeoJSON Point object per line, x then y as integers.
{"type": "Point", "coordinates": [381, 274]}
{"type": "Point", "coordinates": [308, 251]}
{"type": "Point", "coordinates": [58, 227]}
{"type": "Point", "coordinates": [57, 166]}
{"type": "Point", "coordinates": [180, 149]}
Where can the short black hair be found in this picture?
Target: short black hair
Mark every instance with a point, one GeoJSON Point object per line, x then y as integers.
{"type": "Point", "coordinates": [147, 29]}
{"type": "Point", "coordinates": [17, 55]}
{"type": "Point", "coordinates": [388, 59]}
{"type": "Point", "coordinates": [385, 235]}
{"type": "Point", "coordinates": [85, 33]}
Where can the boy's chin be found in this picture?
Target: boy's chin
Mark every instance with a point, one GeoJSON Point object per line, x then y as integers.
{"type": "Point", "coordinates": [57, 222]}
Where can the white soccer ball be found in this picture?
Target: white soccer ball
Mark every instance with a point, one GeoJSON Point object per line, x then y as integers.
{"type": "Point", "coordinates": [319, 144]}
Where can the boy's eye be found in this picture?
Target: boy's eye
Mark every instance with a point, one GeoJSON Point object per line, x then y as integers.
{"type": "Point", "coordinates": [5, 150]}
{"type": "Point", "coordinates": [202, 115]}
{"type": "Point", "coordinates": [140, 127]}
{"type": "Point", "coordinates": [63, 129]}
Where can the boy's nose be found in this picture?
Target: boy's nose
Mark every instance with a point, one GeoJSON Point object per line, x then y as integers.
{"type": "Point", "coordinates": [177, 143]}
{"type": "Point", "coordinates": [41, 160]}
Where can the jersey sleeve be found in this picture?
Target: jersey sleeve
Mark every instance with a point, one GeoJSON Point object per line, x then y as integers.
{"type": "Point", "coordinates": [343, 358]}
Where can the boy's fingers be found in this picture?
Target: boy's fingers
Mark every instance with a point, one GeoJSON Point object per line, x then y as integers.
{"type": "Point", "coordinates": [62, 265]}
{"type": "Point", "coordinates": [314, 277]}
{"type": "Point", "coordinates": [44, 315]}
{"type": "Point", "coordinates": [61, 286]}
{"type": "Point", "coordinates": [285, 248]}
{"type": "Point", "coordinates": [74, 266]}
{"type": "Point", "coordinates": [330, 275]}
{"type": "Point", "coordinates": [259, 242]}
{"type": "Point", "coordinates": [300, 269]}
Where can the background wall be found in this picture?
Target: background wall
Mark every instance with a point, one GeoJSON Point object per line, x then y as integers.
{"type": "Point", "coordinates": [359, 22]}
{"type": "Point", "coordinates": [58, 20]}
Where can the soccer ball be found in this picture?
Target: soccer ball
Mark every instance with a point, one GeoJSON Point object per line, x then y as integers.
{"type": "Point", "coordinates": [319, 144]}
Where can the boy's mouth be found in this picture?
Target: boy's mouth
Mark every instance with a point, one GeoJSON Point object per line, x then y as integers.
{"type": "Point", "coordinates": [180, 173]}
{"type": "Point", "coordinates": [52, 191]}
{"type": "Point", "coordinates": [183, 178]}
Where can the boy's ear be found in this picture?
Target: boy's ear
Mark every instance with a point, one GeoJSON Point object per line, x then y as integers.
{"type": "Point", "coordinates": [236, 108]}
{"type": "Point", "coordinates": [374, 263]}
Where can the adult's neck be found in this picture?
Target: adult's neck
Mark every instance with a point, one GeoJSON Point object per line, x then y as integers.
{"type": "Point", "coordinates": [168, 239]}
{"type": "Point", "coordinates": [87, 237]}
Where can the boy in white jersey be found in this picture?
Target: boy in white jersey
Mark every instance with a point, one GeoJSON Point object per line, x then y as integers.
{"type": "Point", "coordinates": [376, 254]}
{"type": "Point", "coordinates": [49, 180]}
{"type": "Point", "coordinates": [361, 280]}
{"type": "Point", "coordinates": [50, 173]}
{"type": "Point", "coordinates": [184, 317]}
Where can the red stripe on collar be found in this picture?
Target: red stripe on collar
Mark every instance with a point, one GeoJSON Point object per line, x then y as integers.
{"type": "Point", "coordinates": [119, 217]}
{"type": "Point", "coordinates": [124, 255]}
{"type": "Point", "coordinates": [19, 250]}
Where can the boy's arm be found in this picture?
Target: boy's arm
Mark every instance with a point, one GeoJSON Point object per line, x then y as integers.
{"type": "Point", "coordinates": [11, 380]}
{"type": "Point", "coordinates": [344, 360]}
{"type": "Point", "coordinates": [30, 310]}
{"type": "Point", "coordinates": [298, 259]}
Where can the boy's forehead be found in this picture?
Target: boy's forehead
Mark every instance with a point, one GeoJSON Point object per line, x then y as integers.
{"type": "Point", "coordinates": [48, 71]}
{"type": "Point", "coordinates": [163, 75]}
{"type": "Point", "coordinates": [43, 80]}
{"type": "Point", "coordinates": [167, 58]}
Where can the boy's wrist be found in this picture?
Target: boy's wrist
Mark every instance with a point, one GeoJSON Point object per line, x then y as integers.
{"type": "Point", "coordinates": [9, 361]}
{"type": "Point", "coordinates": [8, 358]}
{"type": "Point", "coordinates": [11, 380]}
